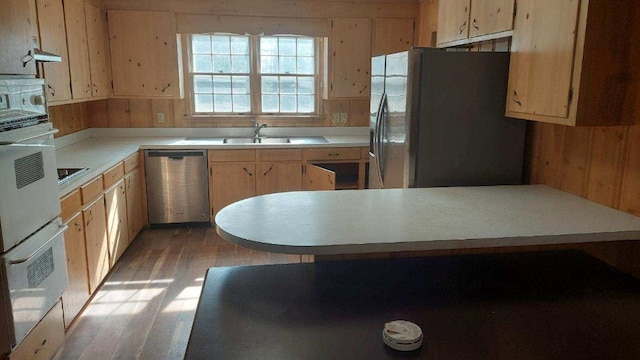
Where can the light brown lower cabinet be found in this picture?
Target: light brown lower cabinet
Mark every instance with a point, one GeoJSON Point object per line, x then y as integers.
{"type": "Point", "coordinates": [44, 340]}
{"type": "Point", "coordinates": [77, 293]}
{"type": "Point", "coordinates": [95, 226]}
{"type": "Point", "coordinates": [135, 216]}
{"type": "Point", "coordinates": [230, 183]}
{"type": "Point", "coordinates": [115, 200]}
{"type": "Point", "coordinates": [318, 178]}
{"type": "Point", "coordinates": [278, 177]}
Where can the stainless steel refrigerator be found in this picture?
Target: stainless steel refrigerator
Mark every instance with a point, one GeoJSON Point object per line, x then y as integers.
{"type": "Point", "coordinates": [437, 119]}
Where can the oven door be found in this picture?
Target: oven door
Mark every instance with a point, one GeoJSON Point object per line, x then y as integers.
{"type": "Point", "coordinates": [29, 191]}
{"type": "Point", "coordinates": [35, 275]}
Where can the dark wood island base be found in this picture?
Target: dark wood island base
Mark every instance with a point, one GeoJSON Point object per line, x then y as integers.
{"type": "Point", "coordinates": [547, 305]}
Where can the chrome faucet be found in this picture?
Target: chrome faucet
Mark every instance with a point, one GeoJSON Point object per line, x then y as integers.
{"type": "Point", "coordinates": [257, 127]}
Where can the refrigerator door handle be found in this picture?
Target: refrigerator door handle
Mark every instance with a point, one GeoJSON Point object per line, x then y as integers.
{"type": "Point", "coordinates": [378, 138]}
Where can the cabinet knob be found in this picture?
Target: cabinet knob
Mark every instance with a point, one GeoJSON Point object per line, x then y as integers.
{"type": "Point", "coordinates": [461, 28]}
{"type": "Point", "coordinates": [36, 100]}
{"type": "Point", "coordinates": [475, 24]}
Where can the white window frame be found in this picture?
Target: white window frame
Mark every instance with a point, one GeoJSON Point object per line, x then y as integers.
{"type": "Point", "coordinates": [255, 84]}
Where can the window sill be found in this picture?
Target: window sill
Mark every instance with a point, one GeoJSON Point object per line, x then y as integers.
{"type": "Point", "coordinates": [250, 118]}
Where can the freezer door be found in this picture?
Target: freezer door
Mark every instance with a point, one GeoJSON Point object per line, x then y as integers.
{"type": "Point", "coordinates": [393, 149]}
{"type": "Point", "coordinates": [377, 87]}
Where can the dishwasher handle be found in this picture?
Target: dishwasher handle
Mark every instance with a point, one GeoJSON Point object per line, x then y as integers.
{"type": "Point", "coordinates": [175, 155]}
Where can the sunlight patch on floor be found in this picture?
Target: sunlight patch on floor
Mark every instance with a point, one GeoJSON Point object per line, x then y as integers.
{"type": "Point", "coordinates": [121, 302]}
{"type": "Point", "coordinates": [187, 300]}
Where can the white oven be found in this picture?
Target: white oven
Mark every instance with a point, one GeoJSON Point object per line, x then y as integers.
{"type": "Point", "coordinates": [33, 265]}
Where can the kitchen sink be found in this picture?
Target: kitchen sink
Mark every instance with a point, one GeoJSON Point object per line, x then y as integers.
{"type": "Point", "coordinates": [256, 141]}
{"type": "Point", "coordinates": [300, 140]}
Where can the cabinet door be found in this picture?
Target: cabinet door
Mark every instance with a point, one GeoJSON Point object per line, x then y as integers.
{"type": "Point", "coordinates": [319, 178]}
{"type": "Point", "coordinates": [95, 227]}
{"type": "Point", "coordinates": [453, 20]}
{"type": "Point", "coordinates": [98, 37]}
{"type": "Point", "coordinates": [230, 183]}
{"type": "Point", "coordinates": [78, 49]}
{"type": "Point", "coordinates": [53, 39]}
{"type": "Point", "coordinates": [542, 57]}
{"type": "Point", "coordinates": [117, 227]}
{"type": "Point", "coordinates": [144, 54]}
{"type": "Point", "coordinates": [135, 214]}
{"type": "Point", "coordinates": [279, 177]}
{"type": "Point", "coordinates": [491, 16]}
{"type": "Point", "coordinates": [350, 39]}
{"type": "Point", "coordinates": [392, 35]}
{"type": "Point", "coordinates": [16, 44]}
{"type": "Point", "coordinates": [77, 293]}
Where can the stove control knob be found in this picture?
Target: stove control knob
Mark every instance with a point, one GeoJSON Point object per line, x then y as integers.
{"type": "Point", "coordinates": [37, 100]}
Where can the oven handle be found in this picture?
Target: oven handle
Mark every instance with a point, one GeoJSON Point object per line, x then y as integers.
{"type": "Point", "coordinates": [50, 132]}
{"type": "Point", "coordinates": [61, 229]}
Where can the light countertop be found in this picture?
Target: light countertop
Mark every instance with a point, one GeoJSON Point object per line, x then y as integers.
{"type": "Point", "coordinates": [100, 149]}
{"type": "Point", "coordinates": [365, 221]}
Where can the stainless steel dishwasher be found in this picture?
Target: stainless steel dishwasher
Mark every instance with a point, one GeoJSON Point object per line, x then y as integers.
{"type": "Point", "coordinates": [177, 186]}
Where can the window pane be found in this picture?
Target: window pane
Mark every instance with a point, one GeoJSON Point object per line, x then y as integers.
{"type": "Point", "coordinates": [270, 103]}
{"type": "Point", "coordinates": [240, 64]}
{"type": "Point", "coordinates": [287, 103]}
{"type": "Point", "coordinates": [305, 104]}
{"type": "Point", "coordinates": [306, 85]}
{"type": "Point", "coordinates": [201, 44]}
{"type": "Point", "coordinates": [287, 65]}
{"type": "Point", "coordinates": [221, 63]}
{"type": "Point", "coordinates": [240, 85]}
{"type": "Point", "coordinates": [305, 47]}
{"type": "Point", "coordinates": [305, 65]}
{"type": "Point", "coordinates": [287, 85]}
{"type": "Point", "coordinates": [270, 85]}
{"type": "Point", "coordinates": [202, 84]}
{"type": "Point", "coordinates": [269, 64]}
{"type": "Point", "coordinates": [222, 103]}
{"type": "Point", "coordinates": [221, 44]}
{"type": "Point", "coordinates": [287, 46]}
{"type": "Point", "coordinates": [202, 63]}
{"type": "Point", "coordinates": [241, 103]}
{"type": "Point", "coordinates": [240, 45]}
{"type": "Point", "coordinates": [222, 84]}
{"type": "Point", "coordinates": [268, 45]}
{"type": "Point", "coordinates": [203, 103]}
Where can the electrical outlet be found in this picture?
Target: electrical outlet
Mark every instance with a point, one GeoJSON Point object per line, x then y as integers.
{"type": "Point", "coordinates": [343, 119]}
{"type": "Point", "coordinates": [160, 117]}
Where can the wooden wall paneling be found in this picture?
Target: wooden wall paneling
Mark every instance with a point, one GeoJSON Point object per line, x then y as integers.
{"type": "Point", "coordinates": [277, 8]}
{"type": "Point", "coordinates": [56, 115]}
{"type": "Point", "coordinates": [140, 113]}
{"type": "Point", "coordinates": [97, 114]}
{"type": "Point", "coordinates": [337, 107]}
{"type": "Point", "coordinates": [179, 110]}
{"type": "Point", "coordinates": [577, 144]}
{"type": "Point", "coordinates": [162, 107]}
{"type": "Point", "coordinates": [550, 149]}
{"type": "Point", "coordinates": [630, 193]}
{"type": "Point", "coordinates": [350, 39]}
{"type": "Point", "coordinates": [531, 153]}
{"type": "Point", "coordinates": [118, 113]}
{"type": "Point", "coordinates": [606, 166]}
{"type": "Point", "coordinates": [358, 113]}
{"type": "Point", "coordinates": [78, 118]}
{"type": "Point", "coordinates": [427, 27]}
{"type": "Point", "coordinates": [392, 35]}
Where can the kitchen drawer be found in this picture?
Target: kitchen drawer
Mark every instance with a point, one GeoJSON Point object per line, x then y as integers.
{"type": "Point", "coordinates": [131, 163]}
{"type": "Point", "coordinates": [112, 175]}
{"type": "Point", "coordinates": [281, 155]}
{"type": "Point", "coordinates": [332, 154]}
{"type": "Point", "coordinates": [44, 340]}
{"type": "Point", "coordinates": [232, 155]}
{"type": "Point", "coordinates": [91, 190]}
{"type": "Point", "coordinates": [70, 205]}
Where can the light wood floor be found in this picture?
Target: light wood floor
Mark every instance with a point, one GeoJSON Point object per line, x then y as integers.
{"type": "Point", "coordinates": [145, 307]}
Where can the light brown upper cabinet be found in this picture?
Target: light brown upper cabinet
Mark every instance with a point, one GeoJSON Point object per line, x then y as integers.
{"type": "Point", "coordinates": [78, 49]}
{"type": "Point", "coordinates": [467, 21]}
{"type": "Point", "coordinates": [53, 39]}
{"type": "Point", "coordinates": [350, 58]}
{"type": "Point", "coordinates": [574, 62]}
{"type": "Point", "coordinates": [98, 37]}
{"type": "Point", "coordinates": [144, 55]}
{"type": "Point", "coordinates": [16, 46]}
{"type": "Point", "coordinates": [392, 35]}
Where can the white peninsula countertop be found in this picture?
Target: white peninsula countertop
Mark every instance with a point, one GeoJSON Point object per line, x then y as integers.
{"type": "Point", "coordinates": [388, 220]}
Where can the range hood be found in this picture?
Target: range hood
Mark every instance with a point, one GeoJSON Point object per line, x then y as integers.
{"type": "Point", "coordinates": [43, 56]}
